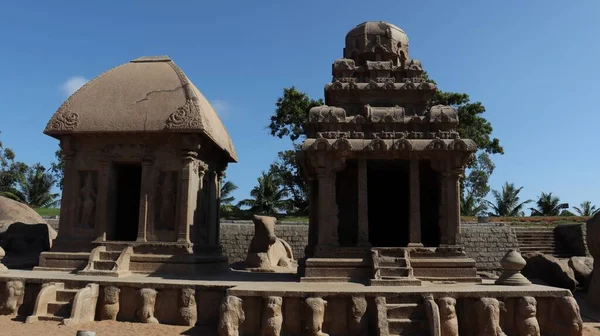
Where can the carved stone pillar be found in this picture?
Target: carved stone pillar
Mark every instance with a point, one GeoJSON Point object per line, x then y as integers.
{"type": "Point", "coordinates": [213, 211]}
{"type": "Point", "coordinates": [185, 209]}
{"type": "Point", "coordinates": [102, 201]}
{"type": "Point", "coordinates": [363, 209]}
{"type": "Point", "coordinates": [145, 199]}
{"type": "Point", "coordinates": [453, 205]}
{"type": "Point", "coordinates": [443, 208]}
{"type": "Point", "coordinates": [68, 208]}
{"type": "Point", "coordinates": [220, 177]}
{"type": "Point", "coordinates": [326, 170]}
{"type": "Point", "coordinates": [415, 204]}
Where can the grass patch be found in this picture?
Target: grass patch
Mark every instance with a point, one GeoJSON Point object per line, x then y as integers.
{"type": "Point", "coordinates": [47, 212]}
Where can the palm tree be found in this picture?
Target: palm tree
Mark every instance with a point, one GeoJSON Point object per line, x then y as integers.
{"type": "Point", "coordinates": [586, 209]}
{"type": "Point", "coordinates": [35, 188]}
{"type": "Point", "coordinates": [226, 199]}
{"type": "Point", "coordinates": [507, 201]}
{"type": "Point", "coordinates": [547, 205]}
{"type": "Point", "coordinates": [268, 197]}
{"type": "Point", "coordinates": [471, 206]}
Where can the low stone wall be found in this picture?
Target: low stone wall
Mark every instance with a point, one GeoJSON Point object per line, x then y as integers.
{"type": "Point", "coordinates": [488, 243]}
{"type": "Point", "coordinates": [236, 237]}
{"type": "Point", "coordinates": [573, 238]}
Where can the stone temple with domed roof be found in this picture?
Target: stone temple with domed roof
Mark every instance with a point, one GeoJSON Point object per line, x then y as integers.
{"type": "Point", "coordinates": [144, 156]}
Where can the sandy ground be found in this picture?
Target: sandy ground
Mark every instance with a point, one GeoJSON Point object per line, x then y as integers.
{"type": "Point", "coordinates": [10, 327]}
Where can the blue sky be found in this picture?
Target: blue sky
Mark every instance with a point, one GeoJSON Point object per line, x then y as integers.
{"type": "Point", "coordinates": [533, 64]}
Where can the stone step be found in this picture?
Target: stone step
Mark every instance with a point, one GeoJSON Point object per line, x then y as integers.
{"type": "Point", "coordinates": [392, 261]}
{"type": "Point", "coordinates": [110, 255]}
{"type": "Point", "coordinates": [104, 265]}
{"type": "Point", "coordinates": [51, 318]}
{"type": "Point", "coordinates": [66, 295]}
{"type": "Point", "coordinates": [62, 309]}
{"type": "Point", "coordinates": [407, 327]}
{"type": "Point", "coordinates": [394, 271]}
{"type": "Point", "coordinates": [395, 281]}
{"type": "Point", "coordinates": [390, 252]}
{"type": "Point", "coordinates": [399, 299]}
{"type": "Point", "coordinates": [406, 311]}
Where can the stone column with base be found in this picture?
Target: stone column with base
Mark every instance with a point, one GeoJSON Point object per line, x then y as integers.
{"type": "Point", "coordinates": [415, 204]}
{"type": "Point", "coordinates": [363, 209]}
{"type": "Point", "coordinates": [102, 201]}
{"type": "Point", "coordinates": [185, 213]}
{"type": "Point", "coordinates": [145, 199]}
{"type": "Point", "coordinates": [70, 185]}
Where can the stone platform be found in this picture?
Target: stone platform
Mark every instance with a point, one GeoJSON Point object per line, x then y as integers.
{"type": "Point", "coordinates": [337, 308]}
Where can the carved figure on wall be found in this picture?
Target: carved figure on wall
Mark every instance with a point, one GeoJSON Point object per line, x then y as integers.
{"type": "Point", "coordinates": [272, 317]}
{"type": "Point", "coordinates": [147, 299]}
{"type": "Point", "coordinates": [315, 314]}
{"type": "Point", "coordinates": [567, 319]}
{"type": "Point", "coordinates": [357, 320]}
{"type": "Point", "coordinates": [448, 318]}
{"type": "Point", "coordinates": [167, 191]}
{"type": "Point", "coordinates": [488, 317]}
{"type": "Point", "coordinates": [266, 251]}
{"type": "Point", "coordinates": [433, 315]}
{"type": "Point", "coordinates": [526, 321]}
{"type": "Point", "coordinates": [14, 292]}
{"type": "Point", "coordinates": [110, 303]}
{"type": "Point", "coordinates": [231, 316]}
{"type": "Point", "coordinates": [87, 196]}
{"type": "Point", "coordinates": [187, 306]}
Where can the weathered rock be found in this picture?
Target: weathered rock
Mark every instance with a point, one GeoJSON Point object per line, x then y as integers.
{"type": "Point", "coordinates": [525, 318]}
{"type": "Point", "coordinates": [14, 292]}
{"type": "Point", "coordinates": [433, 315]}
{"type": "Point", "coordinates": [582, 268]}
{"type": "Point", "coordinates": [147, 300]}
{"type": "Point", "coordinates": [272, 317]}
{"type": "Point", "coordinates": [315, 313]}
{"type": "Point", "coordinates": [448, 318]}
{"type": "Point", "coordinates": [593, 243]}
{"type": "Point", "coordinates": [550, 270]}
{"type": "Point", "coordinates": [357, 320]}
{"type": "Point", "coordinates": [266, 251]}
{"type": "Point", "coordinates": [231, 316]}
{"type": "Point", "coordinates": [488, 317]}
{"type": "Point", "coordinates": [15, 212]}
{"type": "Point", "coordinates": [110, 303]}
{"type": "Point", "coordinates": [187, 307]}
{"type": "Point", "coordinates": [566, 319]}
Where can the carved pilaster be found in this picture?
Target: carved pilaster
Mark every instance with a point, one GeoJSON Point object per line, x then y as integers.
{"type": "Point", "coordinates": [453, 204]}
{"type": "Point", "coordinates": [326, 166]}
{"type": "Point", "coordinates": [146, 190]}
{"type": "Point", "coordinates": [220, 177]}
{"type": "Point", "coordinates": [102, 202]}
{"type": "Point", "coordinates": [363, 210]}
{"type": "Point", "coordinates": [415, 204]}
{"type": "Point", "coordinates": [68, 208]}
{"type": "Point", "coordinates": [185, 213]}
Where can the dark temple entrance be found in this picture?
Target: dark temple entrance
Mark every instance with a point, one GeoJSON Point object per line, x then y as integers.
{"type": "Point", "coordinates": [388, 196]}
{"type": "Point", "coordinates": [430, 204]}
{"type": "Point", "coordinates": [127, 202]}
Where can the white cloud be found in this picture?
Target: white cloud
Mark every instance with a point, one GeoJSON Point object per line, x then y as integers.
{"type": "Point", "coordinates": [222, 107]}
{"type": "Point", "coordinates": [72, 84]}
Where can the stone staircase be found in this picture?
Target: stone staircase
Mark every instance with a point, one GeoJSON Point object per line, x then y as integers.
{"type": "Point", "coordinates": [391, 267]}
{"type": "Point", "coordinates": [110, 260]}
{"type": "Point", "coordinates": [539, 239]}
{"type": "Point", "coordinates": [406, 315]}
{"type": "Point", "coordinates": [56, 302]}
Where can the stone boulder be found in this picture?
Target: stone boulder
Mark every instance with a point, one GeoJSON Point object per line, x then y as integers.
{"type": "Point", "coordinates": [582, 267]}
{"type": "Point", "coordinates": [550, 270]}
{"type": "Point", "coordinates": [593, 242]}
{"type": "Point", "coordinates": [23, 234]}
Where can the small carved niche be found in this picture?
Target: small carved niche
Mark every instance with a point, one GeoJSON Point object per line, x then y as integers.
{"type": "Point", "coordinates": [87, 195]}
{"type": "Point", "coordinates": [166, 200]}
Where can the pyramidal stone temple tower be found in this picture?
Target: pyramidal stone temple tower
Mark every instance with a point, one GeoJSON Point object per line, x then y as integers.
{"type": "Point", "coordinates": [384, 170]}
{"type": "Point", "coordinates": [139, 238]}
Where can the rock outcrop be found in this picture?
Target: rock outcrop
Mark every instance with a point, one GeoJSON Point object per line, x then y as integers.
{"type": "Point", "coordinates": [550, 270]}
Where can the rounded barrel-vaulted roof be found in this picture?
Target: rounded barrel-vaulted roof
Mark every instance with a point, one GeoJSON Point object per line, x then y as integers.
{"type": "Point", "coordinates": [148, 94]}
{"type": "Point", "coordinates": [372, 34]}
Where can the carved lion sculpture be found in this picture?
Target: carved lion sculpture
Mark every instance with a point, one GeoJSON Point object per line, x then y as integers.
{"type": "Point", "coordinates": [13, 297]}
{"type": "Point", "coordinates": [526, 321]}
{"type": "Point", "coordinates": [231, 316]}
{"type": "Point", "coordinates": [110, 304]}
{"type": "Point", "coordinates": [448, 319]}
{"type": "Point", "coordinates": [357, 321]}
{"type": "Point", "coordinates": [147, 299]}
{"type": "Point", "coordinates": [315, 314]}
{"type": "Point", "coordinates": [187, 306]}
{"type": "Point", "coordinates": [272, 317]}
{"type": "Point", "coordinates": [488, 317]}
{"type": "Point", "coordinates": [266, 251]}
{"type": "Point", "coordinates": [567, 317]}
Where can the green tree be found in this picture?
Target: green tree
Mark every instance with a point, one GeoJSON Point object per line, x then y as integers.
{"type": "Point", "coordinates": [35, 189]}
{"type": "Point", "coordinates": [286, 170]}
{"type": "Point", "coordinates": [476, 187]}
{"type": "Point", "coordinates": [506, 202]}
{"type": "Point", "coordinates": [268, 196]}
{"type": "Point", "coordinates": [11, 172]}
{"type": "Point", "coordinates": [546, 205]}
{"type": "Point", "coordinates": [566, 213]}
{"type": "Point", "coordinates": [58, 168]}
{"type": "Point", "coordinates": [586, 209]}
{"type": "Point", "coordinates": [226, 199]}
{"type": "Point", "coordinates": [291, 114]}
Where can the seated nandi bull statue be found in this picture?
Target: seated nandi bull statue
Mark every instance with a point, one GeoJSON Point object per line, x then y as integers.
{"type": "Point", "coordinates": [266, 251]}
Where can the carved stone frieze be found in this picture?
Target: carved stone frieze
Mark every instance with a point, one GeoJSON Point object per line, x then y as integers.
{"type": "Point", "coordinates": [185, 117]}
{"type": "Point", "coordinates": [326, 114]}
{"type": "Point", "coordinates": [63, 120]}
{"type": "Point", "coordinates": [402, 145]}
{"type": "Point", "coordinates": [377, 144]}
{"type": "Point", "coordinates": [342, 144]}
{"type": "Point", "coordinates": [126, 150]}
{"type": "Point", "coordinates": [437, 144]}
{"type": "Point", "coordinates": [321, 144]}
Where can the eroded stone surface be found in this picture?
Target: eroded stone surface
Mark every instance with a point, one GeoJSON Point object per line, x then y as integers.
{"type": "Point", "coordinates": [448, 318]}
{"type": "Point", "coordinates": [488, 317]}
{"type": "Point", "coordinates": [14, 292]}
{"type": "Point", "coordinates": [357, 320]}
{"type": "Point", "coordinates": [187, 306]}
{"type": "Point", "coordinates": [146, 302]}
{"type": "Point", "coordinates": [231, 316]}
{"type": "Point", "coordinates": [266, 251]}
{"type": "Point", "coordinates": [582, 268]}
{"type": "Point", "coordinates": [110, 303]}
{"type": "Point", "coordinates": [314, 318]}
{"type": "Point", "coordinates": [550, 270]}
{"type": "Point", "coordinates": [526, 317]}
{"type": "Point", "coordinates": [593, 243]}
{"type": "Point", "coordinates": [272, 317]}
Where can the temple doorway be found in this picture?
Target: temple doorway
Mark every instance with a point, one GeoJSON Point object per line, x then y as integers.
{"type": "Point", "coordinates": [430, 204]}
{"type": "Point", "coordinates": [127, 197]}
{"type": "Point", "coordinates": [346, 185]}
{"type": "Point", "coordinates": [388, 196]}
